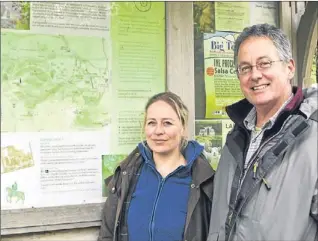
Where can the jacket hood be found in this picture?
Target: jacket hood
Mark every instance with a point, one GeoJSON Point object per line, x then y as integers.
{"type": "Point", "coordinates": [190, 153]}
{"type": "Point", "coordinates": [310, 103]}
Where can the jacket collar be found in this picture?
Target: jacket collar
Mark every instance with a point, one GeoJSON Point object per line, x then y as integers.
{"type": "Point", "coordinates": [201, 170]}
{"type": "Point", "coordinates": [133, 159]}
{"type": "Point", "coordinates": [191, 152]}
{"type": "Point", "coordinates": [239, 110]}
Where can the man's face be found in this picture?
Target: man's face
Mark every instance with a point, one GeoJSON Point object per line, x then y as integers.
{"type": "Point", "coordinates": [269, 86]}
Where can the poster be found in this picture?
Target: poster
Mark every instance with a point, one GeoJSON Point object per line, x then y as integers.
{"type": "Point", "coordinates": [264, 12]}
{"type": "Point", "coordinates": [203, 17]}
{"type": "Point", "coordinates": [232, 16]}
{"type": "Point", "coordinates": [235, 16]}
{"type": "Point", "coordinates": [138, 42]}
{"type": "Point", "coordinates": [75, 78]}
{"type": "Point", "coordinates": [221, 83]}
{"type": "Point", "coordinates": [212, 135]}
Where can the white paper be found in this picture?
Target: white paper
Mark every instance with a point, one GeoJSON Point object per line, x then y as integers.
{"type": "Point", "coordinates": [79, 18]}
{"type": "Point", "coordinates": [66, 169]}
{"type": "Point", "coordinates": [264, 12]}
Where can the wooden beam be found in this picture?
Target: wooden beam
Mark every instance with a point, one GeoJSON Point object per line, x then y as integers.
{"type": "Point", "coordinates": [180, 54]}
{"type": "Point", "coordinates": [285, 18]}
{"type": "Point", "coordinates": [306, 40]}
{"type": "Point", "coordinates": [29, 220]}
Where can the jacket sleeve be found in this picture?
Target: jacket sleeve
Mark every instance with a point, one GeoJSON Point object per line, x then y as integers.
{"type": "Point", "coordinates": [106, 232]}
{"type": "Point", "coordinates": [314, 204]}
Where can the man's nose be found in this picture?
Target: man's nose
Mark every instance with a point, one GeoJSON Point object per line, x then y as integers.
{"type": "Point", "coordinates": [255, 74]}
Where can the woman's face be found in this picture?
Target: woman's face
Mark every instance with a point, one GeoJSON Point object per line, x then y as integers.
{"type": "Point", "coordinates": [163, 128]}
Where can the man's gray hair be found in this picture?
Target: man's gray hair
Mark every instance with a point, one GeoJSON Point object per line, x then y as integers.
{"type": "Point", "coordinates": [275, 34]}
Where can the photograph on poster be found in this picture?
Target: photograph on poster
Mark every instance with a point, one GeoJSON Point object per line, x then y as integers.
{"type": "Point", "coordinates": [209, 134]}
{"type": "Point", "coordinates": [212, 135]}
{"type": "Point", "coordinates": [109, 165]}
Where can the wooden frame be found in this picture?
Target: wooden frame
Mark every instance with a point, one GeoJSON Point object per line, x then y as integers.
{"type": "Point", "coordinates": [179, 75]}
{"type": "Point", "coordinates": [299, 22]}
{"type": "Point", "coordinates": [32, 220]}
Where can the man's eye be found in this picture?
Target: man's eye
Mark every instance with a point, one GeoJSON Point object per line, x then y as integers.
{"type": "Point", "coordinates": [264, 65]}
{"type": "Point", "coordinates": [245, 68]}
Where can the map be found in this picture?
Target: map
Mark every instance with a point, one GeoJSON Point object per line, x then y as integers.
{"type": "Point", "coordinates": [54, 82]}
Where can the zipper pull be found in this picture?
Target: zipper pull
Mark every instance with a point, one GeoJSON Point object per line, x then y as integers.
{"type": "Point", "coordinates": [230, 216]}
{"type": "Point", "coordinates": [255, 169]}
{"type": "Point", "coordinates": [267, 185]}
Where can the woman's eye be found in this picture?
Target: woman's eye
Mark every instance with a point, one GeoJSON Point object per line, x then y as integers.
{"type": "Point", "coordinates": [167, 123]}
{"type": "Point", "coordinates": [150, 123]}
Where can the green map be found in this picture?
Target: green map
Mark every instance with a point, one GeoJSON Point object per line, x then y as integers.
{"type": "Point", "coordinates": [54, 82]}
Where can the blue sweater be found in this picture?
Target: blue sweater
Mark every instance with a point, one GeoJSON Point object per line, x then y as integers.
{"type": "Point", "coordinates": [158, 207]}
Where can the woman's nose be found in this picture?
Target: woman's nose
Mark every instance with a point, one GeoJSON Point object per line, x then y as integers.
{"type": "Point", "coordinates": [159, 129]}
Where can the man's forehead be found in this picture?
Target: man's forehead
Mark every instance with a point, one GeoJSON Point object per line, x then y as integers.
{"type": "Point", "coordinates": [256, 48]}
{"type": "Point", "coordinates": [254, 42]}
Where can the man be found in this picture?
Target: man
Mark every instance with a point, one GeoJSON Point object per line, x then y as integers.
{"type": "Point", "coordinates": [266, 182]}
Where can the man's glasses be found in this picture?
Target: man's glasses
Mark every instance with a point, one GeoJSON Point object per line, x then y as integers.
{"type": "Point", "coordinates": [264, 65]}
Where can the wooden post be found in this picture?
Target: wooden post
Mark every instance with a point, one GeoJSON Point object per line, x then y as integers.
{"type": "Point", "coordinates": [180, 54]}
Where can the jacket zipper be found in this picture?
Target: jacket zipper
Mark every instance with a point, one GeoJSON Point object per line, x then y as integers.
{"type": "Point", "coordinates": [256, 153]}
{"type": "Point", "coordinates": [152, 224]}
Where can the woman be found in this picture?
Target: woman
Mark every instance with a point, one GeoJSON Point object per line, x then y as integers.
{"type": "Point", "coordinates": [163, 190]}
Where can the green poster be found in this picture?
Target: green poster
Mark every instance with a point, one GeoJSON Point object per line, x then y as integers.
{"type": "Point", "coordinates": [138, 67]}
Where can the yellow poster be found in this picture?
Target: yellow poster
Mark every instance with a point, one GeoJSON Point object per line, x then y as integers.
{"type": "Point", "coordinates": [221, 84]}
